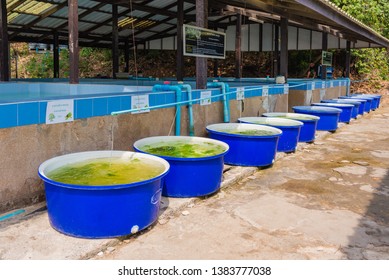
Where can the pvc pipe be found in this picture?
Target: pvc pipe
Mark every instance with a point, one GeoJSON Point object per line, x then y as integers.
{"type": "Point", "coordinates": [177, 90]}
{"type": "Point", "coordinates": [12, 214]}
{"type": "Point", "coordinates": [188, 89]}
{"type": "Point", "coordinates": [225, 88]}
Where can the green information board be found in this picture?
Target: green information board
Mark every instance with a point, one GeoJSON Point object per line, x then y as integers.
{"type": "Point", "coordinates": [326, 58]}
{"type": "Point", "coordinates": [204, 42]}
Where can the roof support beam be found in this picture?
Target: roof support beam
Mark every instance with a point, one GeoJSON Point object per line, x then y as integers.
{"type": "Point", "coordinates": [324, 41]}
{"type": "Point", "coordinates": [56, 54]}
{"type": "Point", "coordinates": [276, 50]}
{"type": "Point", "coordinates": [201, 62]}
{"type": "Point", "coordinates": [4, 45]}
{"type": "Point", "coordinates": [348, 58]}
{"type": "Point", "coordinates": [284, 48]}
{"type": "Point", "coordinates": [180, 43]}
{"type": "Point", "coordinates": [238, 47]}
{"type": "Point", "coordinates": [115, 41]}
{"type": "Point", "coordinates": [73, 42]}
{"type": "Point", "coordinates": [323, 9]}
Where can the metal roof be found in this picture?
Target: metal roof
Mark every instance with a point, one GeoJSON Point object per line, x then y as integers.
{"type": "Point", "coordinates": [37, 20]}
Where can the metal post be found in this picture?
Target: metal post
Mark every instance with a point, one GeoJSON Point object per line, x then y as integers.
{"type": "Point", "coordinates": [276, 50]}
{"type": "Point", "coordinates": [4, 46]}
{"type": "Point", "coordinates": [324, 48]}
{"type": "Point", "coordinates": [126, 56]}
{"type": "Point", "coordinates": [73, 42]}
{"type": "Point", "coordinates": [180, 46]}
{"type": "Point", "coordinates": [56, 54]}
{"type": "Point", "coordinates": [201, 62]}
{"type": "Point", "coordinates": [115, 41]}
{"type": "Point", "coordinates": [238, 47]}
{"type": "Point", "coordinates": [348, 58]}
{"type": "Point", "coordinates": [284, 48]}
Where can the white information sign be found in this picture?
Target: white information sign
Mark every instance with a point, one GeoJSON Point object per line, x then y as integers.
{"type": "Point", "coordinates": [60, 111]}
{"type": "Point", "coordinates": [323, 84]}
{"type": "Point", "coordinates": [265, 91]}
{"type": "Point", "coordinates": [240, 93]}
{"type": "Point", "coordinates": [331, 84]}
{"type": "Point", "coordinates": [141, 103]}
{"type": "Point", "coordinates": [313, 85]}
{"type": "Point", "coordinates": [205, 97]}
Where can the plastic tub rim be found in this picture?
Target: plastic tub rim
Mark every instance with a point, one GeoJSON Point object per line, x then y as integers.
{"type": "Point", "coordinates": [293, 123]}
{"type": "Point", "coordinates": [335, 104]}
{"type": "Point", "coordinates": [176, 138]}
{"type": "Point", "coordinates": [318, 109]}
{"type": "Point", "coordinates": [281, 114]}
{"type": "Point", "coordinates": [278, 132]}
{"type": "Point", "coordinates": [102, 154]}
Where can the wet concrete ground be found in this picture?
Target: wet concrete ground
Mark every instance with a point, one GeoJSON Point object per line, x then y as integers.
{"type": "Point", "coordinates": [329, 200]}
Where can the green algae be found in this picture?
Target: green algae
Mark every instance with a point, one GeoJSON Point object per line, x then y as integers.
{"type": "Point", "coordinates": [184, 149]}
{"type": "Point", "coordinates": [107, 171]}
{"type": "Point", "coordinates": [249, 132]}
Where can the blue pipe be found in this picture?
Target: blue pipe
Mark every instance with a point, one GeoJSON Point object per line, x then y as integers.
{"type": "Point", "coordinates": [225, 88]}
{"type": "Point", "coordinates": [177, 90]}
{"type": "Point", "coordinates": [188, 89]}
{"type": "Point", "coordinates": [12, 214]}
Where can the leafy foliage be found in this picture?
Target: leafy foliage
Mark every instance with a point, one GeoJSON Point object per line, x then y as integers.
{"type": "Point", "coordinates": [371, 64]}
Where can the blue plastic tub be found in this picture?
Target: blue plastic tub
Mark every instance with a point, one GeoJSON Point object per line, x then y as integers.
{"type": "Point", "coordinates": [368, 103]}
{"type": "Point", "coordinates": [290, 130]}
{"type": "Point", "coordinates": [362, 107]}
{"type": "Point", "coordinates": [101, 211]}
{"type": "Point", "coordinates": [247, 150]}
{"type": "Point", "coordinates": [329, 117]}
{"type": "Point", "coordinates": [347, 110]}
{"type": "Point", "coordinates": [356, 104]}
{"type": "Point", "coordinates": [374, 101]}
{"type": "Point", "coordinates": [188, 176]}
{"type": "Point", "coordinates": [308, 130]}
{"type": "Point", "coordinates": [378, 98]}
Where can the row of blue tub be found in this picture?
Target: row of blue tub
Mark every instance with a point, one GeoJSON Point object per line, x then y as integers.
{"type": "Point", "coordinates": [117, 210]}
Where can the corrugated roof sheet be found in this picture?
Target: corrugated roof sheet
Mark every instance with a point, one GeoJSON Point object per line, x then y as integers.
{"type": "Point", "coordinates": [96, 17]}
{"type": "Point", "coordinates": [159, 15]}
{"type": "Point", "coordinates": [161, 3]}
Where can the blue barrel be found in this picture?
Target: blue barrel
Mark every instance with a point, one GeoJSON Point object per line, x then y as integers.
{"type": "Point", "coordinates": [246, 149]}
{"type": "Point", "coordinates": [378, 97]}
{"type": "Point", "coordinates": [329, 117]}
{"type": "Point", "coordinates": [189, 176]}
{"type": "Point", "coordinates": [347, 109]}
{"type": "Point", "coordinates": [374, 101]}
{"type": "Point", "coordinates": [362, 107]}
{"type": "Point", "coordinates": [307, 131]}
{"type": "Point", "coordinates": [368, 103]}
{"type": "Point", "coordinates": [101, 211]}
{"type": "Point", "coordinates": [357, 105]}
{"type": "Point", "coordinates": [290, 130]}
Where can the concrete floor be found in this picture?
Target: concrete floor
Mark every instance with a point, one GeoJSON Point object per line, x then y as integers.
{"type": "Point", "coordinates": [329, 200]}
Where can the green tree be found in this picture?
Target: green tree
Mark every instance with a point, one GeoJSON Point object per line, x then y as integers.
{"type": "Point", "coordinates": [372, 64]}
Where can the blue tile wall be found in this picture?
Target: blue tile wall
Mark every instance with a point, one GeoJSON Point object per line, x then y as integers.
{"type": "Point", "coordinates": [28, 113]}
{"type": "Point", "coordinates": [100, 106]}
{"type": "Point", "coordinates": [8, 115]}
{"type": "Point", "coordinates": [34, 112]}
{"type": "Point", "coordinates": [113, 104]}
{"type": "Point", "coordinates": [125, 102]}
{"type": "Point", "coordinates": [83, 108]}
{"type": "Point", "coordinates": [42, 112]}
